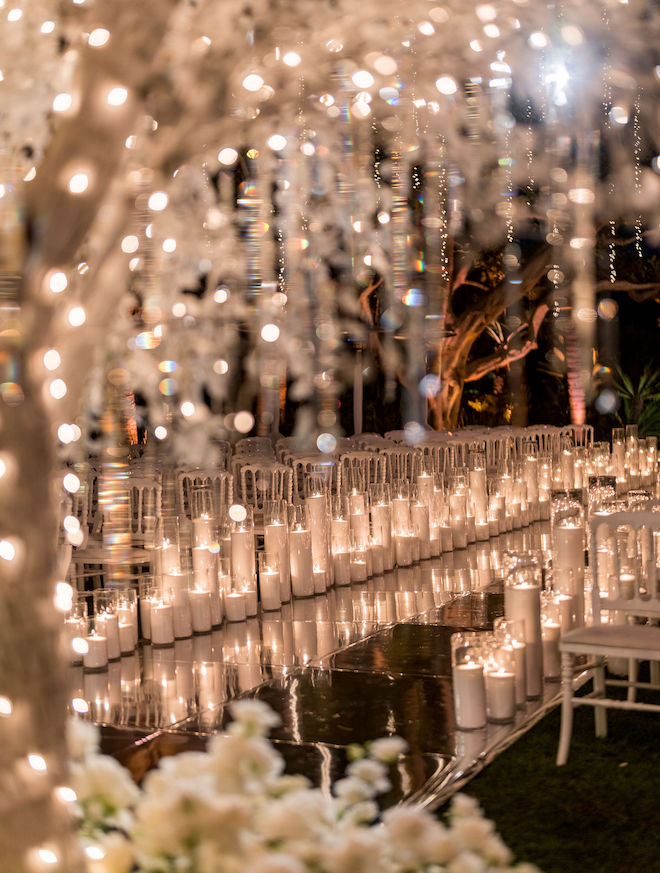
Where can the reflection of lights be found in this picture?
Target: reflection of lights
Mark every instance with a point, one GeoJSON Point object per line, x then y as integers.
{"type": "Point", "coordinates": [556, 80]}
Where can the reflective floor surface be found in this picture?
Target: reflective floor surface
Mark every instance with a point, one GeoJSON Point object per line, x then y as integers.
{"type": "Point", "coordinates": [345, 667]}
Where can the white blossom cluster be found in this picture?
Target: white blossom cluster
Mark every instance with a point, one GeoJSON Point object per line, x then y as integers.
{"type": "Point", "coordinates": [233, 810]}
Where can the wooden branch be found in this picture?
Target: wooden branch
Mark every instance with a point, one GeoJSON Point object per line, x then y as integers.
{"type": "Point", "coordinates": [639, 291]}
{"type": "Point", "coordinates": [364, 301]}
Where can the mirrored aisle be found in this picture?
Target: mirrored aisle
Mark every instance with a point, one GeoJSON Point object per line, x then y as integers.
{"type": "Point", "coordinates": [353, 664]}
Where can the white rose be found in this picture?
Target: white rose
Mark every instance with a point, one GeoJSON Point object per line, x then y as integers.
{"type": "Point", "coordinates": [388, 749]}
{"type": "Point", "coordinates": [467, 862]}
{"type": "Point", "coordinates": [371, 772]}
{"type": "Point", "coordinates": [118, 855]}
{"type": "Point", "coordinates": [104, 788]}
{"type": "Point", "coordinates": [252, 717]}
{"type": "Point", "coordinates": [82, 738]}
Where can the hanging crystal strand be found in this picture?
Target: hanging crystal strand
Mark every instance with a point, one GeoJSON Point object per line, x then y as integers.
{"type": "Point", "coordinates": [582, 197]}
{"type": "Point", "coordinates": [34, 693]}
{"type": "Point", "coordinates": [607, 125]}
{"type": "Point", "coordinates": [114, 491]}
{"type": "Point", "coordinates": [637, 169]}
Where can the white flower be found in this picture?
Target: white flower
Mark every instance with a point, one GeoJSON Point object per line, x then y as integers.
{"type": "Point", "coordinates": [252, 718]}
{"type": "Point", "coordinates": [353, 790]}
{"type": "Point", "coordinates": [118, 854]}
{"type": "Point", "coordinates": [244, 764]}
{"type": "Point", "coordinates": [104, 789]}
{"type": "Point", "coordinates": [276, 862]}
{"type": "Point", "coordinates": [473, 831]}
{"type": "Point", "coordinates": [416, 837]}
{"type": "Point", "coordinates": [360, 850]}
{"type": "Point", "coordinates": [463, 805]}
{"type": "Point", "coordinates": [372, 772]}
{"type": "Point", "coordinates": [82, 738]}
{"type": "Point", "coordinates": [387, 749]}
{"type": "Point", "coordinates": [187, 768]}
{"type": "Point", "coordinates": [359, 813]}
{"type": "Point", "coordinates": [299, 815]}
{"type": "Point", "coordinates": [467, 862]}
{"type": "Point", "coordinates": [496, 852]}
{"type": "Point", "coordinates": [177, 821]}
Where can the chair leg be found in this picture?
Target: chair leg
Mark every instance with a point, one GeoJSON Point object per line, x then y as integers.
{"type": "Point", "coordinates": [633, 673]}
{"type": "Point", "coordinates": [566, 708]}
{"type": "Point", "coordinates": [655, 672]}
{"type": "Point", "coordinates": [600, 713]}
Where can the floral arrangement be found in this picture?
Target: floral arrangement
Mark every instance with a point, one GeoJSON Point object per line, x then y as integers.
{"type": "Point", "coordinates": [232, 809]}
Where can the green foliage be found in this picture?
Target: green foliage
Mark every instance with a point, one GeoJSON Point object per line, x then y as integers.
{"type": "Point", "coordinates": [640, 401]}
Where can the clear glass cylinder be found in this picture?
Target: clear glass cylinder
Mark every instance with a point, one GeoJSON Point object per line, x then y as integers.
{"type": "Point", "coordinates": [522, 602]}
{"type": "Point", "coordinates": [469, 687]}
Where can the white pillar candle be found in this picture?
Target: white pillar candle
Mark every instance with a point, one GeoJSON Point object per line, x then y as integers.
{"type": "Point", "coordinates": [243, 562]}
{"type": "Point", "coordinates": [493, 525]}
{"type": "Point", "coordinates": [316, 506]}
{"type": "Point", "coordinates": [523, 603]}
{"type": "Point", "coordinates": [471, 527]}
{"type": "Point", "coordinates": [162, 624]}
{"type": "Point", "coordinates": [217, 607]}
{"type": "Point", "coordinates": [200, 610]}
{"type": "Point", "coordinates": [145, 604]}
{"type": "Point", "coordinates": [205, 567]}
{"type": "Point", "coordinates": [377, 559]}
{"type": "Point", "coordinates": [276, 541]}
{"type": "Point", "coordinates": [419, 516]}
{"type": "Point", "coordinates": [400, 514]}
{"type": "Point", "coordinates": [126, 637]}
{"type": "Point", "coordinates": [469, 696]}
{"type": "Point", "coordinates": [358, 569]}
{"type": "Point", "coordinates": [360, 528]}
{"type": "Point", "coordinates": [381, 520]}
{"type": "Point", "coordinates": [108, 626]}
{"type": "Point", "coordinates": [500, 695]}
{"type": "Point", "coordinates": [551, 658]}
{"type": "Point", "coordinates": [565, 607]}
{"type": "Point", "coordinates": [175, 582]}
{"type": "Point", "coordinates": [356, 502]}
{"type": "Point", "coordinates": [459, 532]}
{"type": "Point", "coordinates": [425, 488]}
{"type": "Point", "coordinates": [341, 534]}
{"type": "Point", "coordinates": [415, 548]}
{"type": "Point", "coordinates": [128, 614]}
{"type": "Point", "coordinates": [478, 493]}
{"type": "Point", "coordinates": [74, 631]}
{"type": "Point", "coordinates": [518, 651]}
{"type": "Point", "coordinates": [320, 580]}
{"type": "Point", "coordinates": [544, 509]}
{"type": "Point", "coordinates": [169, 557]}
{"type": "Point", "coordinates": [301, 563]}
{"type": "Point", "coordinates": [568, 547]}
{"type": "Point", "coordinates": [96, 656]}
{"type": "Point", "coordinates": [447, 538]}
{"type": "Point", "coordinates": [342, 567]}
{"type": "Point", "coordinates": [251, 601]}
{"type": "Point", "coordinates": [203, 530]}
{"type": "Point", "coordinates": [235, 606]}
{"type": "Point", "coordinates": [436, 541]}
{"type": "Point", "coordinates": [269, 589]}
{"type": "Point", "coordinates": [403, 546]}
{"type": "Point", "coordinates": [483, 531]}
{"type": "Point", "coordinates": [181, 615]}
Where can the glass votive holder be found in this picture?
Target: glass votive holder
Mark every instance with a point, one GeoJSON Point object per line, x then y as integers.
{"type": "Point", "coordinates": [300, 553]}
{"type": "Point", "coordinates": [359, 561]}
{"type": "Point", "coordinates": [127, 613]}
{"type": "Point", "coordinates": [161, 619]}
{"type": "Point", "coordinates": [75, 631]}
{"type": "Point", "coordinates": [469, 687]}
{"type": "Point", "coordinates": [243, 554]}
{"type": "Point", "coordinates": [269, 580]}
{"type": "Point", "coordinates": [500, 680]}
{"type": "Point", "coordinates": [106, 602]}
{"type": "Point", "coordinates": [510, 638]}
{"type": "Point", "coordinates": [95, 647]}
{"type": "Point", "coordinates": [522, 602]}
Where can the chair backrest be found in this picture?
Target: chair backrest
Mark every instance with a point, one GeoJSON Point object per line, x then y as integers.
{"type": "Point", "coordinates": [403, 462]}
{"type": "Point", "coordinates": [361, 469]}
{"type": "Point", "coordinates": [220, 482]}
{"type": "Point", "coordinates": [255, 446]}
{"type": "Point", "coordinates": [324, 466]}
{"type": "Point", "coordinates": [145, 503]}
{"type": "Point", "coordinates": [262, 480]}
{"type": "Point", "coordinates": [624, 548]}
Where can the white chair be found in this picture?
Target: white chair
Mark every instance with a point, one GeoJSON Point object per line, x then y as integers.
{"type": "Point", "coordinates": [403, 462]}
{"type": "Point", "coordinates": [259, 481]}
{"type": "Point", "coordinates": [359, 470]}
{"type": "Point", "coordinates": [220, 482]}
{"type": "Point", "coordinates": [255, 447]}
{"type": "Point", "coordinates": [627, 597]}
{"type": "Point", "coordinates": [319, 465]}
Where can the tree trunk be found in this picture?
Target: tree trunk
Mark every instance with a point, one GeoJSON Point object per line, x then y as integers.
{"type": "Point", "coordinates": [32, 675]}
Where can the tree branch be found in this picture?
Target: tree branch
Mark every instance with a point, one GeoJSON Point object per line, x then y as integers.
{"type": "Point", "coordinates": [505, 354]}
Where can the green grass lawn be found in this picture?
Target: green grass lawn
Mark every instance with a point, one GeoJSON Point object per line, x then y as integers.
{"type": "Point", "coordinates": [598, 814]}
